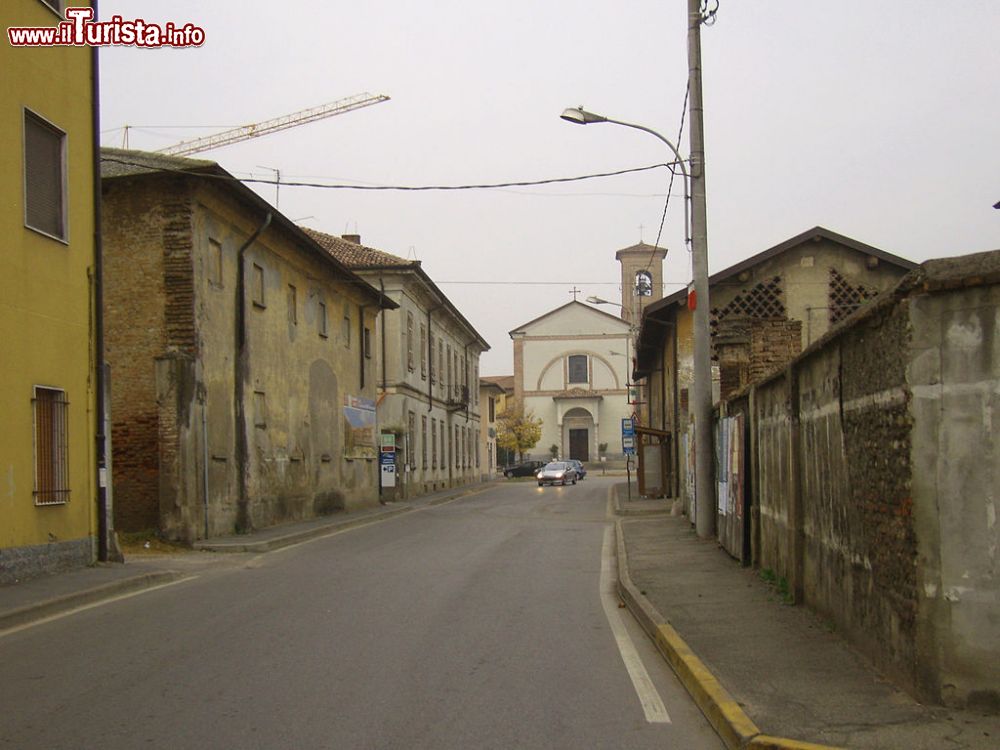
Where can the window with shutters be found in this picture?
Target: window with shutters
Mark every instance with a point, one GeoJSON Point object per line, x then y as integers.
{"type": "Point", "coordinates": [257, 286]}
{"type": "Point", "coordinates": [345, 326]}
{"type": "Point", "coordinates": [434, 443]}
{"type": "Point", "coordinates": [321, 319]}
{"type": "Point", "coordinates": [423, 441]}
{"type": "Point", "coordinates": [423, 351]}
{"type": "Point", "coordinates": [44, 177]}
{"type": "Point", "coordinates": [51, 432]}
{"type": "Point", "coordinates": [409, 341]}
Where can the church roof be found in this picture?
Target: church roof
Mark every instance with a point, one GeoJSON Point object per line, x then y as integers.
{"type": "Point", "coordinates": [642, 247]}
{"type": "Point", "coordinates": [563, 308]}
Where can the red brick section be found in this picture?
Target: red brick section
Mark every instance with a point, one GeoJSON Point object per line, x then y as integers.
{"type": "Point", "coordinates": [149, 304]}
{"type": "Point", "coordinates": [773, 344]}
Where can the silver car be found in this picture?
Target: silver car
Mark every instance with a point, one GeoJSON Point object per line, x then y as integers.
{"type": "Point", "coordinates": [557, 472]}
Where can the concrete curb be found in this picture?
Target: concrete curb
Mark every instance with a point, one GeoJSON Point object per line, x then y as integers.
{"type": "Point", "coordinates": [736, 729]}
{"type": "Point", "coordinates": [57, 605]}
{"type": "Point", "coordinates": [246, 544]}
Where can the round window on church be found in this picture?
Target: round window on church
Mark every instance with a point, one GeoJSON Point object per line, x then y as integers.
{"type": "Point", "coordinates": [643, 284]}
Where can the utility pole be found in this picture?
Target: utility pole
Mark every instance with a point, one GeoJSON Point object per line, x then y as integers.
{"type": "Point", "coordinates": [702, 388]}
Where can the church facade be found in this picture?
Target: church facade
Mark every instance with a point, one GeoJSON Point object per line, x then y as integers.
{"type": "Point", "coordinates": [572, 365]}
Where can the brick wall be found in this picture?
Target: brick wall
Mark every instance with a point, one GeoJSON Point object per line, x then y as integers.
{"type": "Point", "coordinates": [148, 303]}
{"type": "Point", "coordinates": [773, 344]}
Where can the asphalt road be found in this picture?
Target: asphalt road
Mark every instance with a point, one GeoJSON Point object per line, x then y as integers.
{"type": "Point", "coordinates": [487, 622]}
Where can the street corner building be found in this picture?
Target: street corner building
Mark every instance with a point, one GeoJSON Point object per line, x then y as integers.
{"type": "Point", "coordinates": [49, 381]}
{"type": "Point", "coordinates": [242, 370]}
{"type": "Point", "coordinates": [429, 404]}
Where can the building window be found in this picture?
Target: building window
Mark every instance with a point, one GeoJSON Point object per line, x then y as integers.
{"type": "Point", "coordinates": [434, 443]}
{"type": "Point", "coordinates": [51, 423]}
{"type": "Point", "coordinates": [409, 341]}
{"type": "Point", "coordinates": [257, 285]}
{"type": "Point", "coordinates": [578, 368]}
{"type": "Point", "coordinates": [215, 263]}
{"type": "Point", "coordinates": [440, 367]}
{"type": "Point", "coordinates": [367, 343]}
{"type": "Point", "coordinates": [293, 305]}
{"type": "Point", "coordinates": [423, 351]}
{"type": "Point", "coordinates": [345, 326]}
{"type": "Point", "coordinates": [493, 409]}
{"type": "Point", "coordinates": [411, 448]}
{"type": "Point", "coordinates": [321, 320]}
{"type": "Point", "coordinates": [451, 370]}
{"type": "Point", "coordinates": [259, 410]}
{"type": "Point", "coordinates": [44, 177]}
{"type": "Point", "coordinates": [423, 441]}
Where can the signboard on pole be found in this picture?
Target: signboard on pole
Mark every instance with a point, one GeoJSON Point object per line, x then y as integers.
{"type": "Point", "coordinates": [628, 436]}
{"type": "Point", "coordinates": [387, 466]}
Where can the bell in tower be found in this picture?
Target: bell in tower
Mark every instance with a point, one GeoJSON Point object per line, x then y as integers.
{"type": "Point", "coordinates": [642, 278]}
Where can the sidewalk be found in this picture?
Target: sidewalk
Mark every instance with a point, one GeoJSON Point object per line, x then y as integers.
{"type": "Point", "coordinates": [760, 668]}
{"type": "Point", "coordinates": [47, 596]}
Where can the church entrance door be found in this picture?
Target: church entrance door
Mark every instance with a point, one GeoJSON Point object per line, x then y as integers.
{"type": "Point", "coordinates": [579, 445]}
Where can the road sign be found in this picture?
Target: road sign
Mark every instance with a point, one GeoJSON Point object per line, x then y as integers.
{"type": "Point", "coordinates": [628, 436]}
{"type": "Point", "coordinates": [387, 462]}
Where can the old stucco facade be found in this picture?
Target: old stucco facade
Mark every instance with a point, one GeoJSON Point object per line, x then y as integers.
{"type": "Point", "coordinates": [428, 374]}
{"type": "Point", "coordinates": [243, 392]}
{"type": "Point", "coordinates": [570, 370]}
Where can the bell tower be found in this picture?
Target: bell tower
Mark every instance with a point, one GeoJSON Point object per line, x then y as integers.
{"type": "Point", "coordinates": [642, 279]}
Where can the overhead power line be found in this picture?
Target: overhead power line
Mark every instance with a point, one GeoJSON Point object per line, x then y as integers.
{"type": "Point", "coordinates": [405, 188]}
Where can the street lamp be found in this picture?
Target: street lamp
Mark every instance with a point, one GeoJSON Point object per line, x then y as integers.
{"type": "Point", "coordinates": [701, 396]}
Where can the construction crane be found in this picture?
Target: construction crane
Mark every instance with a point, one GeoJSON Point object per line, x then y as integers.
{"type": "Point", "coordinates": [256, 130]}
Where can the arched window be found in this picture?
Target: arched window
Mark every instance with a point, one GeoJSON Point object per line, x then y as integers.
{"type": "Point", "coordinates": [643, 284]}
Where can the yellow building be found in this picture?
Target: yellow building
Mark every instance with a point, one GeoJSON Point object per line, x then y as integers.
{"type": "Point", "coordinates": [48, 385]}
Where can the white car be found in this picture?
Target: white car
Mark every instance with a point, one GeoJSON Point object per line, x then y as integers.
{"type": "Point", "coordinates": [557, 472]}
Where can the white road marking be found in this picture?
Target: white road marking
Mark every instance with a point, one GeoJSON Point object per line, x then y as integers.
{"type": "Point", "coordinates": [652, 705]}
{"type": "Point", "coordinates": [92, 605]}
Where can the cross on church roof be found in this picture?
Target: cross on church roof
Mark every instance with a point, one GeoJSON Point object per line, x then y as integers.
{"type": "Point", "coordinates": [574, 291]}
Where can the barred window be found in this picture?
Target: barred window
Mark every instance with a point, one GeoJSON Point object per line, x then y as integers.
{"type": "Point", "coordinates": [44, 176]}
{"type": "Point", "coordinates": [51, 424]}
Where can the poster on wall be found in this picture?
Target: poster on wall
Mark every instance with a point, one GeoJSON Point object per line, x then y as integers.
{"type": "Point", "coordinates": [359, 427]}
{"type": "Point", "coordinates": [689, 474]}
{"type": "Point", "coordinates": [722, 433]}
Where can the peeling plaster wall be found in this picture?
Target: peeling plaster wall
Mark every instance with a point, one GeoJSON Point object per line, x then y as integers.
{"type": "Point", "coordinates": [954, 372]}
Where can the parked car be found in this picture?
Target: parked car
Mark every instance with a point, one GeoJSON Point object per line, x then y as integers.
{"type": "Point", "coordinates": [523, 469]}
{"type": "Point", "coordinates": [557, 472]}
{"type": "Point", "coordinates": [581, 470]}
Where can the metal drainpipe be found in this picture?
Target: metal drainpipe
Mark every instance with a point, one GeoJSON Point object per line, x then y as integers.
{"type": "Point", "coordinates": [239, 366]}
{"type": "Point", "coordinates": [361, 344]}
{"type": "Point", "coordinates": [381, 287]}
{"type": "Point", "coordinates": [106, 550]}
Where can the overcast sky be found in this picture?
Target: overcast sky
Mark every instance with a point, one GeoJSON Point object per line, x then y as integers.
{"type": "Point", "coordinates": [877, 120]}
